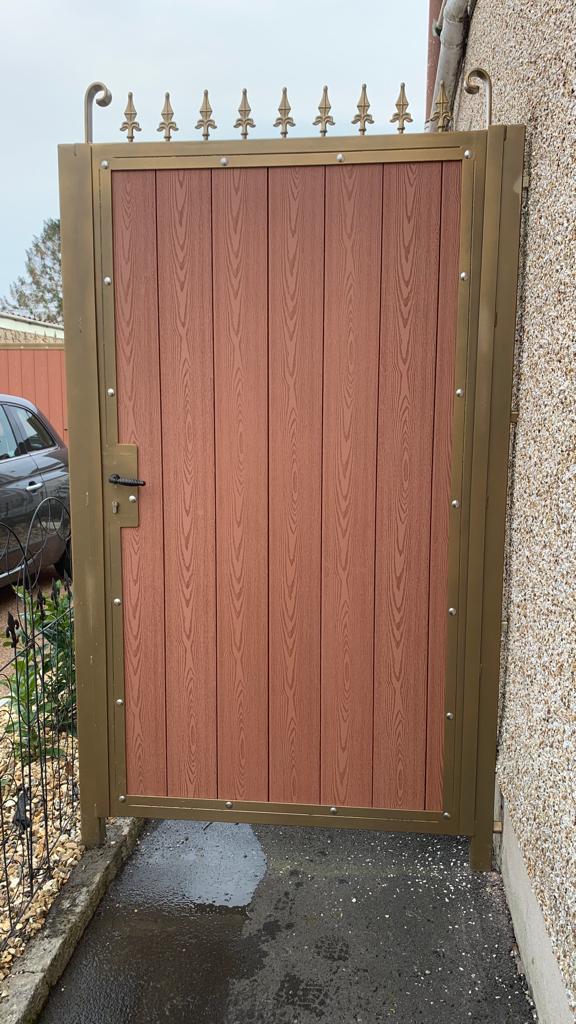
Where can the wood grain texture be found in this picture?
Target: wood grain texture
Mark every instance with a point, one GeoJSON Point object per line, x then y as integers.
{"type": "Point", "coordinates": [41, 380]}
{"type": "Point", "coordinates": [4, 372]}
{"type": "Point", "coordinates": [239, 226]}
{"type": "Point", "coordinates": [15, 374]}
{"type": "Point", "coordinates": [352, 282]}
{"type": "Point", "coordinates": [411, 202]}
{"type": "Point", "coordinates": [187, 387]}
{"type": "Point", "coordinates": [441, 480]}
{"type": "Point", "coordinates": [139, 422]}
{"type": "Point", "coordinates": [37, 375]}
{"type": "Point", "coordinates": [296, 304]}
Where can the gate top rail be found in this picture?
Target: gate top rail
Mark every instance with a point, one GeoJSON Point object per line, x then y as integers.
{"type": "Point", "coordinates": [440, 121]}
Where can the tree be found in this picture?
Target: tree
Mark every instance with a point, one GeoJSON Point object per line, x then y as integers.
{"type": "Point", "coordinates": [38, 292]}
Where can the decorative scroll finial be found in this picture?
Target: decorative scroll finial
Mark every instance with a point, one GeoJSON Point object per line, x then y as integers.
{"type": "Point", "coordinates": [167, 124]}
{"type": "Point", "coordinates": [363, 117]}
{"type": "Point", "coordinates": [130, 124]}
{"type": "Point", "coordinates": [284, 121]}
{"type": "Point", "coordinates": [206, 121]}
{"type": "Point", "coordinates": [483, 77]}
{"type": "Point", "coordinates": [401, 116]}
{"type": "Point", "coordinates": [91, 94]}
{"type": "Point", "coordinates": [244, 121]}
{"type": "Point", "coordinates": [324, 118]}
{"type": "Point", "coordinates": [442, 115]}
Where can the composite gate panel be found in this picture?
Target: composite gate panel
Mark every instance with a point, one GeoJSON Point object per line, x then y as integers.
{"type": "Point", "coordinates": [286, 371]}
{"type": "Point", "coordinates": [289, 376]}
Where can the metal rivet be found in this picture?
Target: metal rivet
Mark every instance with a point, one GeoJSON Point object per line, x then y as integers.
{"type": "Point", "coordinates": [224, 161]}
{"type": "Point", "coordinates": [333, 810]}
{"type": "Point", "coordinates": [110, 392]}
{"type": "Point", "coordinates": [228, 805]}
{"type": "Point", "coordinates": [467, 154]}
{"type": "Point", "coordinates": [122, 799]}
{"type": "Point", "coordinates": [107, 280]}
{"type": "Point", "coordinates": [132, 498]}
{"type": "Point", "coordinates": [117, 601]}
{"type": "Point", "coordinates": [340, 158]}
{"type": "Point", "coordinates": [455, 503]}
{"type": "Point", "coordinates": [449, 715]}
{"type": "Point", "coordinates": [446, 814]}
{"type": "Point", "coordinates": [463, 276]}
{"type": "Point", "coordinates": [104, 165]}
{"type": "Point", "coordinates": [451, 611]}
{"type": "Point", "coordinates": [459, 392]}
{"type": "Point", "coordinates": [120, 702]}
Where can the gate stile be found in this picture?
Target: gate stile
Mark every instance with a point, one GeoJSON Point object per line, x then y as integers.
{"type": "Point", "coordinates": [303, 347]}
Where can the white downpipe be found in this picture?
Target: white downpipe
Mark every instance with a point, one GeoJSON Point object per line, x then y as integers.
{"type": "Point", "coordinates": [452, 23]}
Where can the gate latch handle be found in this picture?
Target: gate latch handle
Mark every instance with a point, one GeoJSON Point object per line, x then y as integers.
{"type": "Point", "coordinates": [125, 481]}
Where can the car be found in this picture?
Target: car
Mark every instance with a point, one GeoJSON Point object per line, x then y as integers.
{"type": "Point", "coordinates": [34, 493]}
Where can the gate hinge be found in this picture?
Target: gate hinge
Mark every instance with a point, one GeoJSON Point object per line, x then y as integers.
{"type": "Point", "coordinates": [514, 414]}
{"type": "Point", "coordinates": [525, 180]}
{"type": "Point", "coordinates": [497, 827]}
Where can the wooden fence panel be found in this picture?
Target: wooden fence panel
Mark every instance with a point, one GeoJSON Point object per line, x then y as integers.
{"type": "Point", "coordinates": [37, 373]}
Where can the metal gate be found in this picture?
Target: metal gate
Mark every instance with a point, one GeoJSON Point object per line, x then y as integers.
{"type": "Point", "coordinates": [289, 369]}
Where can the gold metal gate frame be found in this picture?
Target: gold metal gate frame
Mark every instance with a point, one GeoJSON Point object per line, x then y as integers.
{"type": "Point", "coordinates": [489, 239]}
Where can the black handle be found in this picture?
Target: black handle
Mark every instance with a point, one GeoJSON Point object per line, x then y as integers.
{"type": "Point", "coordinates": [126, 481]}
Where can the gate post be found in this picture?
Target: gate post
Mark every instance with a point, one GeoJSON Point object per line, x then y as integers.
{"type": "Point", "coordinates": [498, 320]}
{"type": "Point", "coordinates": [77, 231]}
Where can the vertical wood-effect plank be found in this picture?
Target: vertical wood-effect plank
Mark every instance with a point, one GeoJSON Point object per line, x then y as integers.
{"type": "Point", "coordinates": [239, 226]}
{"type": "Point", "coordinates": [411, 205]}
{"type": "Point", "coordinates": [187, 387]}
{"type": "Point", "coordinates": [27, 375]}
{"type": "Point", "coordinates": [139, 422]}
{"type": "Point", "coordinates": [296, 297]}
{"type": "Point", "coordinates": [441, 480]}
{"type": "Point", "coordinates": [41, 383]}
{"type": "Point", "coordinates": [15, 374]}
{"type": "Point", "coordinates": [351, 337]}
{"type": "Point", "coordinates": [57, 394]}
{"type": "Point", "coordinates": [64, 397]}
{"type": "Point", "coordinates": [4, 372]}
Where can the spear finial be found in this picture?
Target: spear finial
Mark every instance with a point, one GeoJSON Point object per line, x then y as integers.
{"type": "Point", "coordinates": [167, 124]}
{"type": "Point", "coordinates": [324, 107]}
{"type": "Point", "coordinates": [244, 121]}
{"type": "Point", "coordinates": [284, 121]}
{"type": "Point", "coordinates": [130, 124]}
{"type": "Point", "coordinates": [442, 115]}
{"type": "Point", "coordinates": [402, 117]}
{"type": "Point", "coordinates": [363, 117]}
{"type": "Point", "coordinates": [206, 121]}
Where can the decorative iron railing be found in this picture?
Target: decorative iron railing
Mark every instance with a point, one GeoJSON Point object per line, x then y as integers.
{"type": "Point", "coordinates": [440, 118]}
{"type": "Point", "coordinates": [38, 750]}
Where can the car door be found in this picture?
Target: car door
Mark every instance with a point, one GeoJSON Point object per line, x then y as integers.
{"type": "Point", "coordinates": [38, 438]}
{"type": "Point", "coordinates": [21, 489]}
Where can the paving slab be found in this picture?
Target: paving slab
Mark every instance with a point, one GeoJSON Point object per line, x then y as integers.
{"type": "Point", "coordinates": [233, 924]}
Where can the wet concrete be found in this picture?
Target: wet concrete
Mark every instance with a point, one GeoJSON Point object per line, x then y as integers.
{"type": "Point", "coordinates": [229, 924]}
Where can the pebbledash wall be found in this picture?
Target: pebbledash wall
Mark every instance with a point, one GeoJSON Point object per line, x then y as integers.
{"type": "Point", "coordinates": [529, 49]}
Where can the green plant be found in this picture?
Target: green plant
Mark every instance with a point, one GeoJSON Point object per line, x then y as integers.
{"type": "Point", "coordinates": [41, 684]}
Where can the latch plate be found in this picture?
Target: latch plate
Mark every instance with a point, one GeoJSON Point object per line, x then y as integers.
{"type": "Point", "coordinates": [123, 460]}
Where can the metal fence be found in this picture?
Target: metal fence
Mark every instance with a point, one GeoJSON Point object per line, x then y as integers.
{"type": "Point", "coordinates": [38, 750]}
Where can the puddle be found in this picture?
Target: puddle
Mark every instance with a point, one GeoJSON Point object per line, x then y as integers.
{"type": "Point", "coordinates": [184, 864]}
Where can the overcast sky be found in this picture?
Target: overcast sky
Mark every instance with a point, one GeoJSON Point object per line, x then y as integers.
{"type": "Point", "coordinates": [52, 49]}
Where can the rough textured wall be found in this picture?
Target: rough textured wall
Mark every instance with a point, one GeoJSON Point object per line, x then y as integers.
{"type": "Point", "coordinates": [530, 51]}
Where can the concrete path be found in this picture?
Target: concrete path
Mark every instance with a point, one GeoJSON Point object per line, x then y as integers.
{"type": "Point", "coordinates": [228, 924]}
